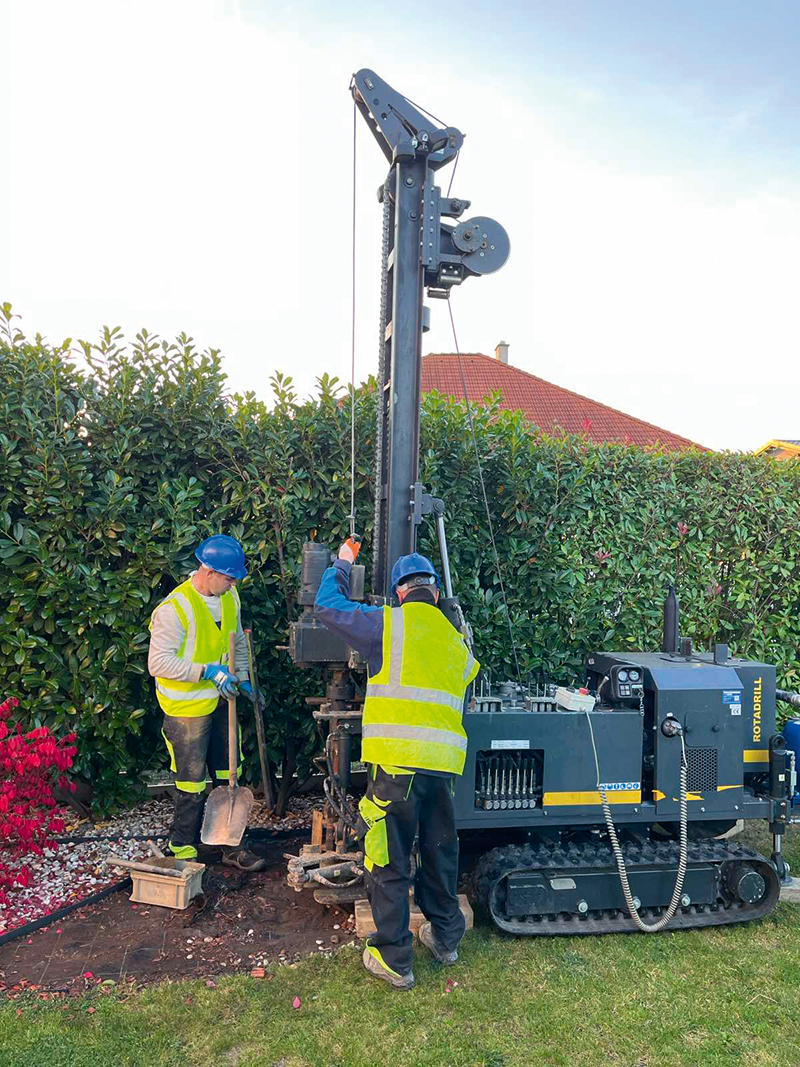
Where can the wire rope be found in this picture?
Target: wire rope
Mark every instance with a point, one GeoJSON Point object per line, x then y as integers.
{"type": "Point", "coordinates": [483, 494]}
{"type": "Point", "coordinates": [419, 107]}
{"type": "Point", "coordinates": [352, 515]}
{"type": "Point", "coordinates": [453, 174]}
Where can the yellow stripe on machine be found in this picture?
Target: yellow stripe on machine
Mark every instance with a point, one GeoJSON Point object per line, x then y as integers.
{"type": "Point", "coordinates": [658, 795]}
{"type": "Point", "coordinates": [756, 755]}
{"type": "Point", "coordinates": [592, 796]}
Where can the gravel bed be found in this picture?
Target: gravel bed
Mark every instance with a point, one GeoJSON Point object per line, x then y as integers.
{"type": "Point", "coordinates": [153, 817]}
{"type": "Point", "coordinates": [73, 871]}
{"type": "Point", "coordinates": [65, 876]}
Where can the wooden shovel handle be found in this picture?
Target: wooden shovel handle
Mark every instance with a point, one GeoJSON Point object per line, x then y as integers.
{"type": "Point", "coordinates": [232, 738]}
{"type": "Point", "coordinates": [131, 865]}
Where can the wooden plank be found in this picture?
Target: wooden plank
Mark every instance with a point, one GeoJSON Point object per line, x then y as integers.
{"type": "Point", "coordinates": [317, 828]}
{"type": "Point", "coordinates": [365, 924]}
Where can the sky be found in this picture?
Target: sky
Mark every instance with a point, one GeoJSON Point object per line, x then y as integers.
{"type": "Point", "coordinates": [186, 165]}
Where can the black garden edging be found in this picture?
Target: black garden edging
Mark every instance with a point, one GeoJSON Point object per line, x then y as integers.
{"type": "Point", "coordinates": [62, 913]}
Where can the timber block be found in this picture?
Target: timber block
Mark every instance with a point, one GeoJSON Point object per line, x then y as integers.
{"type": "Point", "coordinates": [790, 894]}
{"type": "Point", "coordinates": [365, 925]}
{"type": "Point", "coordinates": [734, 830]}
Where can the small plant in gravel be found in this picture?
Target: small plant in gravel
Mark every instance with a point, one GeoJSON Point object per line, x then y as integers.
{"type": "Point", "coordinates": [30, 762]}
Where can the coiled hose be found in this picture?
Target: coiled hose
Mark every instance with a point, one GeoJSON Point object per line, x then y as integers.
{"type": "Point", "coordinates": [666, 918]}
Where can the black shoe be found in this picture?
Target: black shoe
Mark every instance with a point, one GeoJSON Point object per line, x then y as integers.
{"type": "Point", "coordinates": [243, 859]}
{"type": "Point", "coordinates": [209, 853]}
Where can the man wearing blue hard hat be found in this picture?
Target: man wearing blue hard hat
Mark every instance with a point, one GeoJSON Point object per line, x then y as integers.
{"type": "Point", "coordinates": [414, 744]}
{"type": "Point", "coordinates": [189, 634]}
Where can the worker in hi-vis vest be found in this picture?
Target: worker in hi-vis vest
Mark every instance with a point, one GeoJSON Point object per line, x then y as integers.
{"type": "Point", "coordinates": [414, 745]}
{"type": "Point", "coordinates": [189, 634]}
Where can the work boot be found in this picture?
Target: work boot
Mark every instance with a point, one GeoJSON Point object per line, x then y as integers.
{"type": "Point", "coordinates": [428, 939]}
{"type": "Point", "coordinates": [243, 859]}
{"type": "Point", "coordinates": [209, 854]}
{"type": "Point", "coordinates": [374, 966]}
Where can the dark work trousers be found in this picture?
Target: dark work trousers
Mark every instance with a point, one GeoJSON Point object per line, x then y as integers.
{"type": "Point", "coordinates": [417, 804]}
{"type": "Point", "coordinates": [195, 745]}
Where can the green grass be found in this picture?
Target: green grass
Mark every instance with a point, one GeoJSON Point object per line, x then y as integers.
{"type": "Point", "coordinates": [720, 996]}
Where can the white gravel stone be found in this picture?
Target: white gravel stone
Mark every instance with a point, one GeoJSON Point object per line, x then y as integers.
{"type": "Point", "coordinates": [72, 872]}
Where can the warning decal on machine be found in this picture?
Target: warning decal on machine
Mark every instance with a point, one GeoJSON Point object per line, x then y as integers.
{"type": "Point", "coordinates": [610, 787]}
{"type": "Point", "coordinates": [511, 744]}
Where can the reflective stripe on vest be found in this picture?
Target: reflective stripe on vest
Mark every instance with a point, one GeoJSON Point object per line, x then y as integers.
{"type": "Point", "coordinates": [203, 642]}
{"type": "Point", "coordinates": [413, 706]}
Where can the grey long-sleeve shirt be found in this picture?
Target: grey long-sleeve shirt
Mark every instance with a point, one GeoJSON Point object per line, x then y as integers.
{"type": "Point", "coordinates": [167, 635]}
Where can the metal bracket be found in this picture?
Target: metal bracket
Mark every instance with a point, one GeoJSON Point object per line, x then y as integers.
{"type": "Point", "coordinates": [423, 503]}
{"type": "Point", "coordinates": [398, 126]}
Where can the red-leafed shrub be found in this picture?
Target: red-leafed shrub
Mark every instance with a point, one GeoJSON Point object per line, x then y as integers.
{"type": "Point", "coordinates": [30, 762]}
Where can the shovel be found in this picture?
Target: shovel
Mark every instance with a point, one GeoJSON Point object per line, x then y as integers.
{"type": "Point", "coordinates": [258, 708]}
{"type": "Point", "coordinates": [227, 810]}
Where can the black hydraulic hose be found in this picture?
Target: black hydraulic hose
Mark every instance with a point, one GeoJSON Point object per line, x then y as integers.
{"type": "Point", "coordinates": [787, 697]}
{"type": "Point", "coordinates": [331, 785]}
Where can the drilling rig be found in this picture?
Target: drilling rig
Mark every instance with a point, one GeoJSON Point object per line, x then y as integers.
{"type": "Point", "coordinates": [591, 809]}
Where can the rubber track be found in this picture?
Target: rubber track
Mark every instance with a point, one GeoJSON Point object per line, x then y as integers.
{"type": "Point", "coordinates": [497, 864]}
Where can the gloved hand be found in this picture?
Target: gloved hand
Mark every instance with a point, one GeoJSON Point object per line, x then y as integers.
{"type": "Point", "coordinates": [247, 689]}
{"type": "Point", "coordinates": [350, 549]}
{"type": "Point", "coordinates": [222, 678]}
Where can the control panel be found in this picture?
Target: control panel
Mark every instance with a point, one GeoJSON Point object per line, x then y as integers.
{"type": "Point", "coordinates": [626, 682]}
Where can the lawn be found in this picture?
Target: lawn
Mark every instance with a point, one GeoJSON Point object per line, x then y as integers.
{"type": "Point", "coordinates": [722, 996]}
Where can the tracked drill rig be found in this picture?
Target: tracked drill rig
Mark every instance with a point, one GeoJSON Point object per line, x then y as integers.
{"type": "Point", "coordinates": [589, 810]}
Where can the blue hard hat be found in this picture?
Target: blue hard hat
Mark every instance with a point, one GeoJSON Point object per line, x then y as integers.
{"type": "Point", "coordinates": [414, 563]}
{"type": "Point", "coordinates": [223, 554]}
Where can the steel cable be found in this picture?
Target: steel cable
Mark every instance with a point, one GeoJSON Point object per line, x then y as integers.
{"type": "Point", "coordinates": [352, 515]}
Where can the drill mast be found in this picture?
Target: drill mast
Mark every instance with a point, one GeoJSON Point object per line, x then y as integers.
{"type": "Point", "coordinates": [420, 250]}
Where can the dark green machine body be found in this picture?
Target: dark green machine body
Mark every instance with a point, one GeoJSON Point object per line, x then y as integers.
{"type": "Point", "coordinates": [728, 715]}
{"type": "Point", "coordinates": [531, 784]}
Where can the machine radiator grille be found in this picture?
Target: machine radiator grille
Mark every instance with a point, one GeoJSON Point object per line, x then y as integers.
{"type": "Point", "coordinates": [702, 769]}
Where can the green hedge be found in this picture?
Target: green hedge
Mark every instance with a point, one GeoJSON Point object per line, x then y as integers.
{"type": "Point", "coordinates": [116, 459]}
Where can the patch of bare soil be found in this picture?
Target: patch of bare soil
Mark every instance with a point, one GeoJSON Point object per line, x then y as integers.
{"type": "Point", "coordinates": [242, 922]}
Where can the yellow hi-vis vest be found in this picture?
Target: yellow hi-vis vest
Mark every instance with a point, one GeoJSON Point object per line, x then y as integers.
{"type": "Point", "coordinates": [413, 708]}
{"type": "Point", "coordinates": [204, 642]}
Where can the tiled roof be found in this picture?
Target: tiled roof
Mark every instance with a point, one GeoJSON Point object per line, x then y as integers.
{"type": "Point", "coordinates": [780, 448]}
{"type": "Point", "coordinates": [546, 405]}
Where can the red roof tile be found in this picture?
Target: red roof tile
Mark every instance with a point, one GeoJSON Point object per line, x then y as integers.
{"type": "Point", "coordinates": [546, 405]}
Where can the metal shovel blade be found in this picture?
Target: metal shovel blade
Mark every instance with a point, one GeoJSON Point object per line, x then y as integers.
{"type": "Point", "coordinates": [226, 815]}
{"type": "Point", "coordinates": [227, 810]}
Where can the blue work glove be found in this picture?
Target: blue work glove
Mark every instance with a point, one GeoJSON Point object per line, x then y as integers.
{"type": "Point", "coordinates": [222, 678]}
{"type": "Point", "coordinates": [247, 690]}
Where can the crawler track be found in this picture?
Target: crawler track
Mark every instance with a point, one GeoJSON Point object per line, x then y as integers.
{"type": "Point", "coordinates": [489, 886]}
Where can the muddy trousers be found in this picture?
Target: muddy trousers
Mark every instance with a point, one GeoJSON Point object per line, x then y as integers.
{"type": "Point", "coordinates": [196, 746]}
{"type": "Point", "coordinates": [397, 808]}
